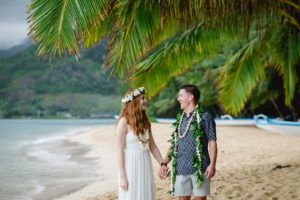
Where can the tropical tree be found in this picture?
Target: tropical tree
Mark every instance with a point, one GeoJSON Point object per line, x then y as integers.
{"type": "Point", "coordinates": [150, 42]}
{"type": "Point", "coordinates": [204, 76]}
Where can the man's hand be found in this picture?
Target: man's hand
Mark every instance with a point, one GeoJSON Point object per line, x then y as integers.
{"type": "Point", "coordinates": [163, 172]}
{"type": "Point", "coordinates": [124, 184]}
{"type": "Point", "coordinates": [210, 171]}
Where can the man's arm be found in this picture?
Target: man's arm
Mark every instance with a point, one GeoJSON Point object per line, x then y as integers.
{"type": "Point", "coordinates": [210, 132]}
{"type": "Point", "coordinates": [213, 151]}
{"type": "Point", "coordinates": [166, 159]}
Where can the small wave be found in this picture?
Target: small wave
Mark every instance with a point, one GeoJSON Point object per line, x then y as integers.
{"type": "Point", "coordinates": [25, 143]}
{"type": "Point", "coordinates": [64, 135]}
{"type": "Point", "coordinates": [48, 139]}
{"type": "Point", "coordinates": [38, 189]}
{"type": "Point", "coordinates": [46, 156]}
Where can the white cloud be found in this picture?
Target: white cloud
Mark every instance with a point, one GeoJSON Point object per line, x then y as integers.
{"type": "Point", "coordinates": [13, 25]}
{"type": "Point", "coordinates": [12, 34]}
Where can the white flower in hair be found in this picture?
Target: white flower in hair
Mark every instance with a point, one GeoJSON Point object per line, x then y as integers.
{"type": "Point", "coordinates": [133, 94]}
{"type": "Point", "coordinates": [136, 93]}
{"type": "Point", "coordinates": [141, 89]}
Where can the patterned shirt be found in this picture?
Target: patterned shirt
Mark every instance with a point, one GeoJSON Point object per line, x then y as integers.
{"type": "Point", "coordinates": [187, 145]}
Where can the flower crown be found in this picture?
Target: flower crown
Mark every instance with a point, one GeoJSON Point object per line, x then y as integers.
{"type": "Point", "coordinates": [133, 94]}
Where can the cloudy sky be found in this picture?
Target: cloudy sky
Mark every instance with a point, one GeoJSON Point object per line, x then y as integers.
{"type": "Point", "coordinates": [13, 25]}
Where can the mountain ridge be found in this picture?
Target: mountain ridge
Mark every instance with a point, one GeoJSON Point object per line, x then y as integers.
{"type": "Point", "coordinates": [75, 87]}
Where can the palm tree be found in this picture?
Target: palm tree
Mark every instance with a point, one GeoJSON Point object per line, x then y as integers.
{"type": "Point", "coordinates": [150, 42]}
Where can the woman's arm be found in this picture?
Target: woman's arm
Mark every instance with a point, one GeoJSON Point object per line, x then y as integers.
{"type": "Point", "coordinates": [121, 142]}
{"type": "Point", "coordinates": [154, 150]}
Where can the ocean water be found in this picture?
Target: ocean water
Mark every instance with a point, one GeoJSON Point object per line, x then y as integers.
{"type": "Point", "coordinates": [38, 162]}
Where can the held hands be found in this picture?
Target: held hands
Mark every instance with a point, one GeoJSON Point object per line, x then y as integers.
{"type": "Point", "coordinates": [163, 172]}
{"type": "Point", "coordinates": [124, 184]}
{"type": "Point", "coordinates": [210, 172]}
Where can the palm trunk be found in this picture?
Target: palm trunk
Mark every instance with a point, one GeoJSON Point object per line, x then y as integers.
{"type": "Point", "coordinates": [294, 114]}
{"type": "Point", "coordinates": [276, 108]}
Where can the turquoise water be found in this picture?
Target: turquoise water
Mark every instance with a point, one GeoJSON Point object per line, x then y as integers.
{"type": "Point", "coordinates": [38, 162]}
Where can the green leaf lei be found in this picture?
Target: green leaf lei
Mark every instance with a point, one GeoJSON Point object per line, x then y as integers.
{"type": "Point", "coordinates": [172, 155]}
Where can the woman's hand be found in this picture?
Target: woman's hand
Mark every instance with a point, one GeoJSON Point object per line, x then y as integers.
{"type": "Point", "coordinates": [163, 172]}
{"type": "Point", "coordinates": [124, 184]}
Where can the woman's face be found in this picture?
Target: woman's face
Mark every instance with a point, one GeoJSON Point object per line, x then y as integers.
{"type": "Point", "coordinates": [143, 102]}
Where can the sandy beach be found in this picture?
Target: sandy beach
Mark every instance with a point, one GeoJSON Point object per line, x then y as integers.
{"type": "Point", "coordinates": [252, 164]}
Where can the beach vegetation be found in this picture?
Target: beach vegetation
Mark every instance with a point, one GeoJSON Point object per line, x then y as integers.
{"type": "Point", "coordinates": [151, 43]}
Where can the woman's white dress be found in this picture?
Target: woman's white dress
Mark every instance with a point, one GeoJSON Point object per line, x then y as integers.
{"type": "Point", "coordinates": [139, 170]}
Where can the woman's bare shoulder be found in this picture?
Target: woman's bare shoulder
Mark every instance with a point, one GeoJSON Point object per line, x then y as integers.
{"type": "Point", "coordinates": [122, 122]}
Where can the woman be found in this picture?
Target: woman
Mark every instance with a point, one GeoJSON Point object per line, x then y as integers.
{"type": "Point", "coordinates": [134, 140]}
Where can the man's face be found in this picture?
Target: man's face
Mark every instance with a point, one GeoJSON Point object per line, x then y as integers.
{"type": "Point", "coordinates": [184, 98]}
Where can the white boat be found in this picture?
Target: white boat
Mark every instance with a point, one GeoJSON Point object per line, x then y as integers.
{"type": "Point", "coordinates": [228, 120]}
{"type": "Point", "coordinates": [278, 126]}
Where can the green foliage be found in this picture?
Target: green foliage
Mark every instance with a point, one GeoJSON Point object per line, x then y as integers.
{"type": "Point", "coordinates": [58, 25]}
{"type": "Point", "coordinates": [61, 26]}
{"type": "Point", "coordinates": [80, 88]}
{"type": "Point", "coordinates": [264, 92]}
{"type": "Point", "coordinates": [203, 75]}
{"type": "Point", "coordinates": [285, 57]}
{"type": "Point", "coordinates": [151, 43]}
{"type": "Point", "coordinates": [172, 58]}
{"type": "Point", "coordinates": [240, 75]}
{"type": "Point", "coordinates": [80, 105]}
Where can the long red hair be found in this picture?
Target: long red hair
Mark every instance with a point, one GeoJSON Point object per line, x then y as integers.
{"type": "Point", "coordinates": [136, 117]}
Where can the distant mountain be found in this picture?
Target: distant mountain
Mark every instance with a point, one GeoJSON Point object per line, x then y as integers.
{"type": "Point", "coordinates": [15, 49]}
{"type": "Point", "coordinates": [79, 89]}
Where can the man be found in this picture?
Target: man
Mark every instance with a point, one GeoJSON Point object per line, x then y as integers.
{"type": "Point", "coordinates": [186, 179]}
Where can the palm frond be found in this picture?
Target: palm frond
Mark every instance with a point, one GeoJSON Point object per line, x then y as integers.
{"type": "Point", "coordinates": [55, 25]}
{"type": "Point", "coordinates": [240, 75]}
{"type": "Point", "coordinates": [99, 29]}
{"type": "Point", "coordinates": [135, 28]}
{"type": "Point", "coordinates": [290, 11]}
{"type": "Point", "coordinates": [294, 3]}
{"type": "Point", "coordinates": [173, 57]}
{"type": "Point", "coordinates": [292, 19]}
{"type": "Point", "coordinates": [220, 13]}
{"type": "Point", "coordinates": [285, 50]}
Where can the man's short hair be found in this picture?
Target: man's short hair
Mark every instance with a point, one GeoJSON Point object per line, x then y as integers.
{"type": "Point", "coordinates": [193, 90]}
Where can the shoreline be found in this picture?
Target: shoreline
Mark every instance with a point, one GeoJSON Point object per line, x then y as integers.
{"type": "Point", "coordinates": [80, 177]}
{"type": "Point", "coordinates": [252, 164]}
{"type": "Point", "coordinates": [97, 144]}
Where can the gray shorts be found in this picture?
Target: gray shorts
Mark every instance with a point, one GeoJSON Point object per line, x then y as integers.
{"type": "Point", "coordinates": [185, 185]}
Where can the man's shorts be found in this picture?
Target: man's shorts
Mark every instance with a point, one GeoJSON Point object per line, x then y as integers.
{"type": "Point", "coordinates": [185, 185]}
